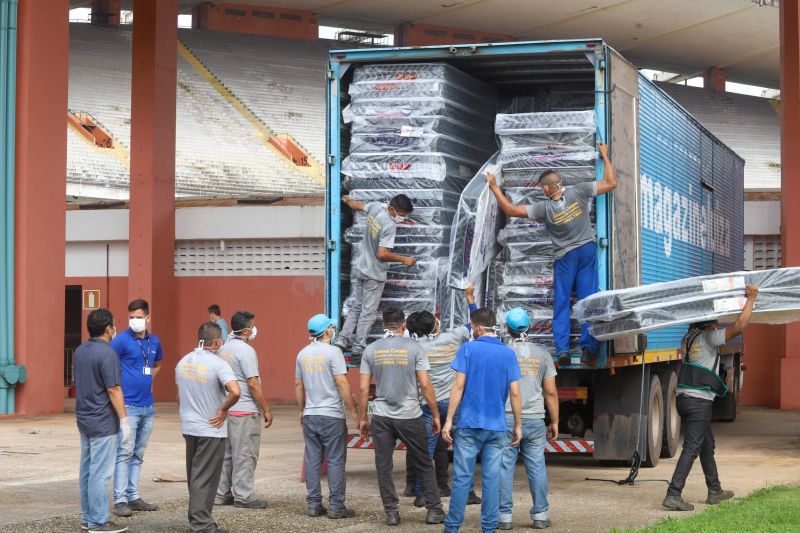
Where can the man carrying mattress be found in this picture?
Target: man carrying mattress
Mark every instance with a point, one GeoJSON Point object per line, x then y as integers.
{"type": "Point", "coordinates": [566, 215]}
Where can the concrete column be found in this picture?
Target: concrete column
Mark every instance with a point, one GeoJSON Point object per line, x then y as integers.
{"type": "Point", "coordinates": [40, 214]}
{"type": "Point", "coordinates": [790, 187]}
{"type": "Point", "coordinates": [105, 12]}
{"type": "Point", "coordinates": [152, 204]}
{"type": "Point", "coordinates": [714, 79]}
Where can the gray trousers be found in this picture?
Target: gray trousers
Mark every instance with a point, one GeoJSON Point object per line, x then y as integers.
{"type": "Point", "coordinates": [325, 438]}
{"type": "Point", "coordinates": [412, 433]}
{"type": "Point", "coordinates": [204, 456]}
{"type": "Point", "coordinates": [367, 296]}
{"type": "Point", "coordinates": [241, 457]}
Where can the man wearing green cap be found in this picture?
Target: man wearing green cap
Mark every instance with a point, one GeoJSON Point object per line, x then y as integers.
{"type": "Point", "coordinates": [538, 387]}
{"type": "Point", "coordinates": [322, 391]}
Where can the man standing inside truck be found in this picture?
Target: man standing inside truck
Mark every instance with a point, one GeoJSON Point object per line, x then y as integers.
{"type": "Point", "coordinates": [566, 215]}
{"type": "Point", "coordinates": [698, 384]}
{"type": "Point", "coordinates": [371, 266]}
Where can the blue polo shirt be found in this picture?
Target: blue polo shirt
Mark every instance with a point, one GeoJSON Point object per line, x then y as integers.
{"type": "Point", "coordinates": [490, 368]}
{"type": "Point", "coordinates": [137, 386]}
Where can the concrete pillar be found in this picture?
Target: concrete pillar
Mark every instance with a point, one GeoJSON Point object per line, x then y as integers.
{"type": "Point", "coordinates": [714, 79]}
{"type": "Point", "coordinates": [105, 12]}
{"type": "Point", "coordinates": [790, 187]}
{"type": "Point", "coordinates": [40, 214]}
{"type": "Point", "coordinates": [152, 204]}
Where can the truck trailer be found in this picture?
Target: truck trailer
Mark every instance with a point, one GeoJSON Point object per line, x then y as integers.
{"type": "Point", "coordinates": [677, 213]}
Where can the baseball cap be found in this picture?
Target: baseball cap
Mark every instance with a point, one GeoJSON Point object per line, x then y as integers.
{"type": "Point", "coordinates": [518, 320]}
{"type": "Point", "coordinates": [318, 324]}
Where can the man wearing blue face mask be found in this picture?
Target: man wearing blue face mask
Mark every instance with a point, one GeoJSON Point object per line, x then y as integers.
{"type": "Point", "coordinates": [237, 482]}
{"type": "Point", "coordinates": [370, 268]}
{"type": "Point", "coordinates": [140, 356]}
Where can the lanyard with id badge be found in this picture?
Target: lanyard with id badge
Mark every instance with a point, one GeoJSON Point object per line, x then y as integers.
{"type": "Point", "coordinates": [147, 369]}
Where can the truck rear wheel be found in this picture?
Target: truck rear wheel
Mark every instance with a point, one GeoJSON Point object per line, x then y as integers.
{"type": "Point", "coordinates": [654, 428]}
{"type": "Point", "coordinates": [672, 421]}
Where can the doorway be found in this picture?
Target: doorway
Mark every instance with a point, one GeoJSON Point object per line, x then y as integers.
{"type": "Point", "coordinates": [73, 318]}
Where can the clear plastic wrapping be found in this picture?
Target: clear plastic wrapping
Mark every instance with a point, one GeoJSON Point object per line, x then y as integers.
{"type": "Point", "coordinates": [409, 165]}
{"type": "Point", "coordinates": [396, 77]}
{"type": "Point", "coordinates": [538, 124]}
{"type": "Point", "coordinates": [363, 143]}
{"type": "Point", "coordinates": [715, 297]}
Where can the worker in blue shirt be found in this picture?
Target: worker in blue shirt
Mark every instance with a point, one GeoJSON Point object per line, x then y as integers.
{"type": "Point", "coordinates": [140, 356]}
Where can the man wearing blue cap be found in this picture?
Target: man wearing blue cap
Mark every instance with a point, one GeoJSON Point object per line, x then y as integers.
{"type": "Point", "coordinates": [538, 387]}
{"type": "Point", "coordinates": [322, 391]}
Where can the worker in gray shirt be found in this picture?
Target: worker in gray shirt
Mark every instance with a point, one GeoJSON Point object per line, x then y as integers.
{"type": "Point", "coordinates": [322, 392]}
{"type": "Point", "coordinates": [371, 267]}
{"type": "Point", "coordinates": [203, 380]}
{"type": "Point", "coordinates": [400, 368]}
{"type": "Point", "coordinates": [566, 216]}
{"type": "Point", "coordinates": [537, 388]}
{"type": "Point", "coordinates": [698, 384]}
{"type": "Point", "coordinates": [237, 482]}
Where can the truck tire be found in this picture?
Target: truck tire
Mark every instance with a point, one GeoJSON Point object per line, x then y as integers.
{"type": "Point", "coordinates": [672, 421]}
{"type": "Point", "coordinates": [654, 428]}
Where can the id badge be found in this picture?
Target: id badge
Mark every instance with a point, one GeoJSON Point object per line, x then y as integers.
{"type": "Point", "coordinates": [147, 371]}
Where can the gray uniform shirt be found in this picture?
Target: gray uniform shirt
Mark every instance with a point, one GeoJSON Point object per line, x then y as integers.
{"type": "Point", "coordinates": [316, 365]}
{"type": "Point", "coordinates": [440, 351]}
{"type": "Point", "coordinates": [567, 219]}
{"type": "Point", "coordinates": [380, 231]}
{"type": "Point", "coordinates": [535, 364]}
{"type": "Point", "coordinates": [201, 377]}
{"type": "Point", "coordinates": [394, 362]}
{"type": "Point", "coordinates": [703, 353]}
{"type": "Point", "coordinates": [243, 360]}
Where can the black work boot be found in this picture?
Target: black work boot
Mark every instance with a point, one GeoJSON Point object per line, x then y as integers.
{"type": "Point", "coordinates": [717, 496]}
{"type": "Point", "coordinates": [392, 518]}
{"type": "Point", "coordinates": [140, 505]}
{"type": "Point", "coordinates": [419, 501]}
{"type": "Point", "coordinates": [676, 503]}
{"type": "Point", "coordinates": [410, 490]}
{"type": "Point", "coordinates": [344, 512]}
{"type": "Point", "coordinates": [473, 499]}
{"type": "Point", "coordinates": [435, 516]}
{"type": "Point", "coordinates": [563, 359]}
{"type": "Point", "coordinates": [316, 510]}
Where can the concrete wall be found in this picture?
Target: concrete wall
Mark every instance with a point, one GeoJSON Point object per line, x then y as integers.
{"type": "Point", "coordinates": [762, 218]}
{"type": "Point", "coordinates": [262, 20]}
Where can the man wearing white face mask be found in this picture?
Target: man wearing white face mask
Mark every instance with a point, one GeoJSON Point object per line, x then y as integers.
{"type": "Point", "coordinates": [371, 266]}
{"type": "Point", "coordinates": [566, 216]}
{"type": "Point", "coordinates": [237, 482]}
{"type": "Point", "coordinates": [140, 355]}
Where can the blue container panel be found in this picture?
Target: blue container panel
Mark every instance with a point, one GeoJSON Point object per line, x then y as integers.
{"type": "Point", "coordinates": [691, 199]}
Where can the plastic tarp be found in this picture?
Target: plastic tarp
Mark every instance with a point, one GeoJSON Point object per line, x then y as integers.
{"type": "Point", "coordinates": [715, 297]}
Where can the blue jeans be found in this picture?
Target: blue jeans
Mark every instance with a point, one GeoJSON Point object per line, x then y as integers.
{"type": "Point", "coordinates": [130, 457]}
{"type": "Point", "coordinates": [534, 437]}
{"type": "Point", "coordinates": [469, 443]}
{"type": "Point", "coordinates": [97, 464]}
{"type": "Point", "coordinates": [576, 270]}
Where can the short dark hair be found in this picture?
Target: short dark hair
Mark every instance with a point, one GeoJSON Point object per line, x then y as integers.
{"type": "Point", "coordinates": [393, 317]}
{"type": "Point", "coordinates": [402, 203]}
{"type": "Point", "coordinates": [139, 304]}
{"type": "Point", "coordinates": [546, 173]}
{"type": "Point", "coordinates": [515, 334]}
{"type": "Point", "coordinates": [241, 320]}
{"type": "Point", "coordinates": [421, 323]}
{"type": "Point", "coordinates": [214, 309]}
{"type": "Point", "coordinates": [98, 320]}
{"type": "Point", "coordinates": [209, 332]}
{"type": "Point", "coordinates": [701, 324]}
{"type": "Point", "coordinates": [484, 317]}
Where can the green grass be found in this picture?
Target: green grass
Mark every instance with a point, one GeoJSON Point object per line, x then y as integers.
{"type": "Point", "coordinates": [773, 509]}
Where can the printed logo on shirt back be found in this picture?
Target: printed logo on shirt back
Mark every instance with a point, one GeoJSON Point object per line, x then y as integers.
{"type": "Point", "coordinates": [391, 356]}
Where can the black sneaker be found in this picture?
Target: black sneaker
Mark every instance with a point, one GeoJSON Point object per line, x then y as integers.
{"type": "Point", "coordinates": [419, 501]}
{"type": "Point", "coordinates": [588, 356]}
{"type": "Point", "coordinates": [444, 491]}
{"type": "Point", "coordinates": [676, 503]}
{"type": "Point", "coordinates": [140, 505]}
{"type": "Point", "coordinates": [108, 527]}
{"type": "Point", "coordinates": [541, 524]}
{"type": "Point", "coordinates": [122, 510]}
{"type": "Point", "coordinates": [316, 510]}
{"type": "Point", "coordinates": [564, 359]}
{"type": "Point", "coordinates": [718, 496]}
{"type": "Point", "coordinates": [392, 518]}
{"type": "Point", "coordinates": [410, 490]}
{"type": "Point", "coordinates": [255, 504]}
{"type": "Point", "coordinates": [505, 525]}
{"type": "Point", "coordinates": [434, 516]}
{"type": "Point", "coordinates": [473, 499]}
{"type": "Point", "coordinates": [224, 501]}
{"type": "Point", "coordinates": [344, 512]}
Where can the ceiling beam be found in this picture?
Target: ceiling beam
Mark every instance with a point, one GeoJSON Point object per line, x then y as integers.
{"type": "Point", "coordinates": [582, 14]}
{"type": "Point", "coordinates": [683, 77]}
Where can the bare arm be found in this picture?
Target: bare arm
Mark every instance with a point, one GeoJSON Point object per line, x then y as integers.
{"type": "Point", "coordinates": [456, 393]}
{"type": "Point", "coordinates": [505, 204]}
{"type": "Point", "coordinates": [300, 396]}
{"type": "Point", "coordinates": [387, 256]}
{"type": "Point", "coordinates": [609, 182]}
{"type": "Point", "coordinates": [744, 317]}
{"type": "Point", "coordinates": [156, 368]}
{"type": "Point", "coordinates": [551, 401]}
{"type": "Point", "coordinates": [117, 401]}
{"type": "Point", "coordinates": [347, 396]}
{"type": "Point", "coordinates": [516, 408]}
{"type": "Point", "coordinates": [355, 205]}
{"type": "Point", "coordinates": [258, 396]}
{"type": "Point", "coordinates": [363, 400]}
{"type": "Point", "coordinates": [230, 400]}
{"type": "Point", "coordinates": [425, 385]}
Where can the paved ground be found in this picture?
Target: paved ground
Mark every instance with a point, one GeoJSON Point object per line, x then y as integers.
{"type": "Point", "coordinates": [39, 466]}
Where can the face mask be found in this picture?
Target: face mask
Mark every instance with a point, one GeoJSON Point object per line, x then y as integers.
{"type": "Point", "coordinates": [113, 333]}
{"type": "Point", "coordinates": [253, 333]}
{"type": "Point", "coordinates": [557, 191]}
{"type": "Point", "coordinates": [137, 325]}
{"type": "Point", "coordinates": [397, 219]}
